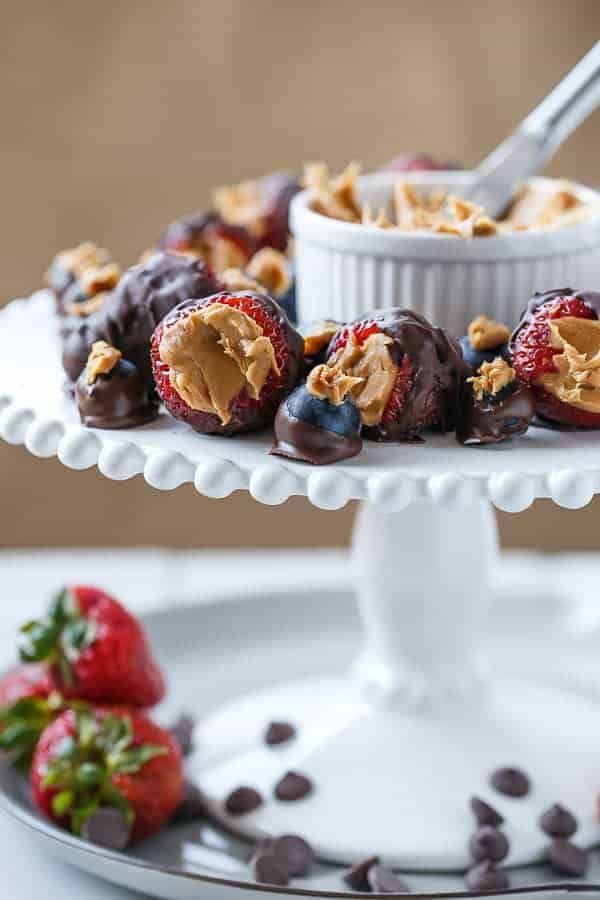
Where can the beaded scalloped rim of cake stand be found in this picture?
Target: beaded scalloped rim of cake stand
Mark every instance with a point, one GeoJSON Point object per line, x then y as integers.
{"type": "Point", "coordinates": [273, 483]}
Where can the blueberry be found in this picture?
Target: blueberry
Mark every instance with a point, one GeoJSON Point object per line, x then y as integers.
{"type": "Point", "coordinates": [343, 419]}
{"type": "Point", "coordinates": [476, 357]}
{"type": "Point", "coordinates": [288, 301]}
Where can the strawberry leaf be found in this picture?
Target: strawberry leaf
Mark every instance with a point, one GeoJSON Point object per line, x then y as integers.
{"type": "Point", "coordinates": [61, 802]}
{"type": "Point", "coordinates": [132, 760]}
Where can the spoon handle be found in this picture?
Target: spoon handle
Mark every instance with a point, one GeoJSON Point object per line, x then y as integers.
{"type": "Point", "coordinates": [568, 105]}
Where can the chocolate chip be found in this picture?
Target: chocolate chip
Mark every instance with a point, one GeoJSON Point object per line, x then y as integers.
{"type": "Point", "coordinates": [193, 806]}
{"type": "Point", "coordinates": [384, 881]}
{"type": "Point", "coordinates": [356, 878]}
{"type": "Point", "coordinates": [558, 822]}
{"type": "Point", "coordinates": [267, 868]}
{"type": "Point", "coordinates": [293, 786]}
{"type": "Point", "coordinates": [295, 852]}
{"type": "Point", "coordinates": [243, 800]}
{"type": "Point", "coordinates": [486, 877]}
{"type": "Point", "coordinates": [488, 844]}
{"type": "Point", "coordinates": [567, 859]}
{"type": "Point", "coordinates": [182, 730]}
{"type": "Point", "coordinates": [510, 781]}
{"type": "Point", "coordinates": [484, 813]}
{"type": "Point", "coordinates": [107, 827]}
{"type": "Point", "coordinates": [279, 733]}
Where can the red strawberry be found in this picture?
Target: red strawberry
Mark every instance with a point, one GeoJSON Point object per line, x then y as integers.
{"type": "Point", "coordinates": [97, 650]}
{"type": "Point", "coordinates": [410, 370]}
{"type": "Point", "coordinates": [555, 360]}
{"type": "Point", "coordinates": [28, 703]}
{"type": "Point", "coordinates": [178, 353]}
{"type": "Point", "coordinates": [89, 760]}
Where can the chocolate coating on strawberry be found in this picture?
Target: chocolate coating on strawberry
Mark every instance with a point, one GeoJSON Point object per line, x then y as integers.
{"type": "Point", "coordinates": [111, 393]}
{"type": "Point", "coordinates": [494, 405]}
{"type": "Point", "coordinates": [411, 373]}
{"type": "Point", "coordinates": [556, 349]}
{"type": "Point", "coordinates": [145, 294]}
{"type": "Point", "coordinates": [224, 364]}
{"type": "Point", "coordinates": [319, 422]}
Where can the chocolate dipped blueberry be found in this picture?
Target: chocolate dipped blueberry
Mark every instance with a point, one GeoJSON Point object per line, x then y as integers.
{"type": "Point", "coordinates": [224, 364]}
{"type": "Point", "coordinates": [410, 373]}
{"type": "Point", "coordinates": [222, 245]}
{"type": "Point", "coordinates": [484, 341]}
{"type": "Point", "coordinates": [318, 422]}
{"type": "Point", "coordinates": [556, 349]}
{"type": "Point", "coordinates": [111, 393]}
{"type": "Point", "coordinates": [144, 295]}
{"type": "Point", "coordinates": [81, 277]}
{"type": "Point", "coordinates": [495, 406]}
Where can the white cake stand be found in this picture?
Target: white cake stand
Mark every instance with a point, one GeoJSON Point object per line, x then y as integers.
{"type": "Point", "coordinates": [397, 745]}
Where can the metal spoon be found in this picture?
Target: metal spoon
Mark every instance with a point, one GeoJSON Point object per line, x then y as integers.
{"type": "Point", "coordinates": [538, 137]}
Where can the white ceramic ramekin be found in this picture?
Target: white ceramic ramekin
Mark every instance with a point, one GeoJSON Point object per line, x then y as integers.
{"type": "Point", "coordinates": [345, 270]}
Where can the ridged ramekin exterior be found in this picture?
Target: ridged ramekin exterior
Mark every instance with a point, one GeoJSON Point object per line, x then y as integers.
{"type": "Point", "coordinates": [344, 272]}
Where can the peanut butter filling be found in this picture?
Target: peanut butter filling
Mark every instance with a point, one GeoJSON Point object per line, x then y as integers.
{"type": "Point", "coordinates": [269, 267]}
{"type": "Point", "coordinates": [577, 381]}
{"type": "Point", "coordinates": [241, 204]}
{"type": "Point", "coordinates": [371, 362]}
{"type": "Point", "coordinates": [485, 334]}
{"type": "Point", "coordinates": [318, 338]}
{"type": "Point", "coordinates": [213, 354]}
{"type": "Point", "coordinates": [223, 254]}
{"type": "Point", "coordinates": [331, 383]}
{"type": "Point", "coordinates": [85, 256]}
{"type": "Point", "coordinates": [492, 377]}
{"type": "Point", "coordinates": [238, 280]}
{"type": "Point", "coordinates": [102, 360]}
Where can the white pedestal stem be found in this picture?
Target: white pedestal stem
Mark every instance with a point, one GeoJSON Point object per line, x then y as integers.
{"type": "Point", "coordinates": [422, 581]}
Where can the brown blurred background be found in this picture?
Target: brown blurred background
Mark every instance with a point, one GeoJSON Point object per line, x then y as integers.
{"type": "Point", "coordinates": [117, 117]}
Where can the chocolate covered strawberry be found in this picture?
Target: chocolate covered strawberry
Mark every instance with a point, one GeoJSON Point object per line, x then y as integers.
{"type": "Point", "coordinates": [96, 649]}
{"type": "Point", "coordinates": [109, 774]}
{"type": "Point", "coordinates": [409, 371]}
{"type": "Point", "coordinates": [223, 364]}
{"type": "Point", "coordinates": [222, 245]}
{"type": "Point", "coordinates": [261, 207]}
{"type": "Point", "coordinates": [556, 349]}
{"type": "Point", "coordinates": [29, 701]}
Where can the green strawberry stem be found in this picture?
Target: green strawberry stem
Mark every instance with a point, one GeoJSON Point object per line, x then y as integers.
{"type": "Point", "coordinates": [60, 637]}
{"type": "Point", "coordinates": [83, 767]}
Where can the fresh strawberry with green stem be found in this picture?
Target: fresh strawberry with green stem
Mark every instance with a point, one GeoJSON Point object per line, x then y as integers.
{"type": "Point", "coordinates": [29, 701]}
{"type": "Point", "coordinates": [89, 760]}
{"type": "Point", "coordinates": [97, 650]}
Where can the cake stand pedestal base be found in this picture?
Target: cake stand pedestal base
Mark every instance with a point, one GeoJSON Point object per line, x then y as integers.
{"type": "Point", "coordinates": [397, 746]}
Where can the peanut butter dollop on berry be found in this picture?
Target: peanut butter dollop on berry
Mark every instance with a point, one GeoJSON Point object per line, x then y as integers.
{"type": "Point", "coordinates": [492, 378]}
{"type": "Point", "coordinates": [485, 334]}
{"type": "Point", "coordinates": [330, 383]}
{"type": "Point", "coordinates": [269, 268]}
{"type": "Point", "coordinates": [101, 361]}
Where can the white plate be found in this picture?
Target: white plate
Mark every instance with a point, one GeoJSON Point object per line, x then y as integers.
{"type": "Point", "coordinates": [212, 653]}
